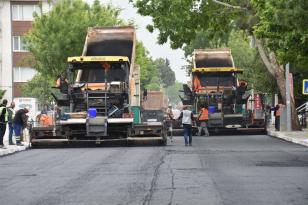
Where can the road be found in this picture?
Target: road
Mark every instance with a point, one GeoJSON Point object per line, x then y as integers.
{"type": "Point", "coordinates": [228, 170]}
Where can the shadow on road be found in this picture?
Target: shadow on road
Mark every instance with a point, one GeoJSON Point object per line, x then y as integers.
{"type": "Point", "coordinates": [122, 143]}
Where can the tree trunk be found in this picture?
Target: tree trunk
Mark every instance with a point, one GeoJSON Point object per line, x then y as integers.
{"type": "Point", "coordinates": [270, 62]}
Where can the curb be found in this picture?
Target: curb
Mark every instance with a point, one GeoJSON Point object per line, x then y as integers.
{"type": "Point", "coordinates": [12, 149]}
{"type": "Point", "coordinates": [283, 136]}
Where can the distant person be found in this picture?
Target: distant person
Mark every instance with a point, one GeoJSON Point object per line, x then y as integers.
{"type": "Point", "coordinates": [62, 84]}
{"type": "Point", "coordinates": [203, 121]}
{"type": "Point", "coordinates": [145, 94]}
{"type": "Point", "coordinates": [277, 113]}
{"type": "Point", "coordinates": [3, 121]}
{"type": "Point", "coordinates": [11, 113]}
{"type": "Point", "coordinates": [19, 123]}
{"type": "Point", "coordinates": [187, 121]}
{"type": "Point", "coordinates": [169, 119]}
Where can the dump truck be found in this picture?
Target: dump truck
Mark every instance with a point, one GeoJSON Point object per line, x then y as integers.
{"type": "Point", "coordinates": [102, 102]}
{"type": "Point", "coordinates": [153, 106]}
{"type": "Point", "coordinates": [215, 84]}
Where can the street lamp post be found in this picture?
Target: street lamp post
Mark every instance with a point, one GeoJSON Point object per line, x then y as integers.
{"type": "Point", "coordinates": [288, 98]}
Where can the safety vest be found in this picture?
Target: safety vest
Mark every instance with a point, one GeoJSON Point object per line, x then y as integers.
{"type": "Point", "coordinates": [11, 114]}
{"type": "Point", "coordinates": [186, 117]}
{"type": "Point", "coordinates": [204, 114]}
{"type": "Point", "coordinates": [45, 120]}
{"type": "Point", "coordinates": [6, 115]}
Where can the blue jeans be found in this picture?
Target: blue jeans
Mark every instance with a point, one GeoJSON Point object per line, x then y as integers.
{"type": "Point", "coordinates": [11, 130]}
{"type": "Point", "coordinates": [18, 132]}
{"type": "Point", "coordinates": [187, 133]}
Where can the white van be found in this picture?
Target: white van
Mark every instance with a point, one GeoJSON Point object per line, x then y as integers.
{"type": "Point", "coordinates": [31, 103]}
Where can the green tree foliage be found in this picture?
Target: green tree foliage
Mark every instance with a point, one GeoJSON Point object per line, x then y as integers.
{"type": "Point", "coordinates": [248, 59]}
{"type": "Point", "coordinates": [150, 77]}
{"type": "Point", "coordinates": [279, 25]}
{"type": "Point", "coordinates": [61, 32]}
{"type": "Point", "coordinates": [39, 87]}
{"type": "Point", "coordinates": [283, 23]}
{"type": "Point", "coordinates": [173, 93]}
{"type": "Point", "coordinates": [167, 75]}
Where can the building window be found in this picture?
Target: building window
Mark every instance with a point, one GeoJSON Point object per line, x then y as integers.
{"type": "Point", "coordinates": [19, 43]}
{"type": "Point", "coordinates": [23, 74]}
{"type": "Point", "coordinates": [24, 12]}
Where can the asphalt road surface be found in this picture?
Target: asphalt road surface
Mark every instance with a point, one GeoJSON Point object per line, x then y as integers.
{"type": "Point", "coordinates": [227, 170]}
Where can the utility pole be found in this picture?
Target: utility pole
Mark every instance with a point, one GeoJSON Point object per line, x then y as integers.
{"type": "Point", "coordinates": [288, 98]}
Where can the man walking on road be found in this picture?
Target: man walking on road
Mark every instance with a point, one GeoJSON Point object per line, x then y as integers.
{"type": "Point", "coordinates": [19, 123]}
{"type": "Point", "coordinates": [3, 121]}
{"type": "Point", "coordinates": [203, 120]}
{"type": "Point", "coordinates": [11, 114]}
{"type": "Point", "coordinates": [187, 121]}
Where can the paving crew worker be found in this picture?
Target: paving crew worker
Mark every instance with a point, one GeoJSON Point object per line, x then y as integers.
{"type": "Point", "coordinates": [3, 120]}
{"type": "Point", "coordinates": [11, 114]}
{"type": "Point", "coordinates": [145, 94]}
{"type": "Point", "coordinates": [187, 121]}
{"type": "Point", "coordinates": [169, 119]}
{"type": "Point", "coordinates": [277, 112]}
{"type": "Point", "coordinates": [62, 84]}
{"type": "Point", "coordinates": [19, 123]}
{"type": "Point", "coordinates": [203, 121]}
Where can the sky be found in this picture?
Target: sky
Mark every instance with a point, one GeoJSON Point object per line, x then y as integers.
{"type": "Point", "coordinates": [176, 57]}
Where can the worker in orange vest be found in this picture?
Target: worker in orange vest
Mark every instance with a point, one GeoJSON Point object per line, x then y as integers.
{"type": "Point", "coordinates": [277, 112]}
{"type": "Point", "coordinates": [203, 120]}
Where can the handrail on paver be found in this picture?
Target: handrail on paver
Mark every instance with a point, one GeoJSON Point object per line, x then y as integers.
{"type": "Point", "coordinates": [302, 107]}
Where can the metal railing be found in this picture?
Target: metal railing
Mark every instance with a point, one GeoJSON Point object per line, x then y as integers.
{"type": "Point", "coordinates": [302, 113]}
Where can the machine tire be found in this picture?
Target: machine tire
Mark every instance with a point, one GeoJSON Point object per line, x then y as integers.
{"type": "Point", "coordinates": [34, 145]}
{"type": "Point", "coordinates": [163, 142]}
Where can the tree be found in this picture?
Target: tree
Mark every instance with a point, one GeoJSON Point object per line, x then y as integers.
{"type": "Point", "coordinates": [249, 60]}
{"type": "Point", "coordinates": [150, 78]}
{"type": "Point", "coordinates": [167, 75]}
{"type": "Point", "coordinates": [173, 93]}
{"type": "Point", "coordinates": [61, 32]}
{"type": "Point", "coordinates": [39, 87]}
{"type": "Point", "coordinates": [279, 38]}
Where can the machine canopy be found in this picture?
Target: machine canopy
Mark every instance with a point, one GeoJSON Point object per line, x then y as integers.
{"type": "Point", "coordinates": [100, 68]}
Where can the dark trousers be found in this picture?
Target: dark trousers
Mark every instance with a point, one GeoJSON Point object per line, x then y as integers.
{"type": "Point", "coordinates": [2, 132]}
{"type": "Point", "coordinates": [277, 123]}
{"type": "Point", "coordinates": [187, 134]}
{"type": "Point", "coordinates": [11, 131]}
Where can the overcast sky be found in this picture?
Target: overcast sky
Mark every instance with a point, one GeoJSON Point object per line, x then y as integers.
{"type": "Point", "coordinates": [149, 40]}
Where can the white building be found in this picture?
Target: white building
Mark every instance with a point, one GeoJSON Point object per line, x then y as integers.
{"type": "Point", "coordinates": [16, 17]}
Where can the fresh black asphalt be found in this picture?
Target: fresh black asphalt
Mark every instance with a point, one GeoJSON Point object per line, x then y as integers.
{"type": "Point", "coordinates": [228, 170]}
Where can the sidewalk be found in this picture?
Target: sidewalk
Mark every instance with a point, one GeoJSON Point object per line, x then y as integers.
{"type": "Point", "coordinates": [298, 137]}
{"type": "Point", "coordinates": [10, 149]}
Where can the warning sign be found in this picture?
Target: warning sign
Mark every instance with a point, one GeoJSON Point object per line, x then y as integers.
{"type": "Point", "coordinates": [305, 87]}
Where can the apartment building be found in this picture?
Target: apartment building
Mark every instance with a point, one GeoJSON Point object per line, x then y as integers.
{"type": "Point", "coordinates": [16, 18]}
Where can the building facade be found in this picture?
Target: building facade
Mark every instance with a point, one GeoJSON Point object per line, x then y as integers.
{"type": "Point", "coordinates": [16, 18]}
